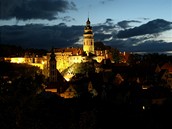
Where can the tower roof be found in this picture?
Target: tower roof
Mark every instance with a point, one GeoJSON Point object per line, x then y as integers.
{"type": "Point", "coordinates": [88, 22]}
{"type": "Point", "coordinates": [88, 27]}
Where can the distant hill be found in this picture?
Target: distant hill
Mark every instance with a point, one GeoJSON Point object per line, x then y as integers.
{"type": "Point", "coordinates": [10, 50]}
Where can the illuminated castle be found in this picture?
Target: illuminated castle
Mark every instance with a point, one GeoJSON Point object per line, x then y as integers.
{"type": "Point", "coordinates": [61, 58]}
{"type": "Point", "coordinates": [65, 57]}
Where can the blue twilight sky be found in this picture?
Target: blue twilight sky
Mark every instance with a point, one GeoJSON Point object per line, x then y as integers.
{"type": "Point", "coordinates": [99, 11]}
{"type": "Point", "coordinates": [130, 25]}
{"type": "Point", "coordinates": [118, 10]}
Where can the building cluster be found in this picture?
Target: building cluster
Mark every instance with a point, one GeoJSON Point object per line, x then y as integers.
{"type": "Point", "coordinates": [65, 57]}
{"type": "Point", "coordinates": [59, 59]}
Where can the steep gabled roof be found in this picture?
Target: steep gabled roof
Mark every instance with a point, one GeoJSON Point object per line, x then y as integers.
{"type": "Point", "coordinates": [61, 84]}
{"type": "Point", "coordinates": [157, 69]}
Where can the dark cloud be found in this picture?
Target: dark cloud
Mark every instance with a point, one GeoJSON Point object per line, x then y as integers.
{"type": "Point", "coordinates": [61, 35]}
{"type": "Point", "coordinates": [34, 9]}
{"type": "Point", "coordinates": [68, 19]}
{"type": "Point", "coordinates": [101, 36]}
{"type": "Point", "coordinates": [152, 46]}
{"type": "Point", "coordinates": [142, 44]}
{"type": "Point", "coordinates": [145, 42]}
{"type": "Point", "coordinates": [40, 36]}
{"type": "Point", "coordinates": [109, 22]}
{"type": "Point", "coordinates": [155, 26]}
{"type": "Point", "coordinates": [126, 24]}
{"type": "Point", "coordinates": [105, 30]}
{"type": "Point", "coordinates": [107, 26]}
{"type": "Point", "coordinates": [62, 25]}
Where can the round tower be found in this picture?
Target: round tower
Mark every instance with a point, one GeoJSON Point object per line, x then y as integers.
{"type": "Point", "coordinates": [88, 45]}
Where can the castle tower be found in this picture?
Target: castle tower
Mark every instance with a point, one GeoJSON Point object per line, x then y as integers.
{"type": "Point", "coordinates": [88, 45]}
{"type": "Point", "coordinates": [52, 68]}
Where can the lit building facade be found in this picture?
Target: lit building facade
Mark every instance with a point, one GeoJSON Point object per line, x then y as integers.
{"type": "Point", "coordinates": [65, 57]}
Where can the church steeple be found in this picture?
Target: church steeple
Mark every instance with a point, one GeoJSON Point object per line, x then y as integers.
{"type": "Point", "coordinates": [53, 70]}
{"type": "Point", "coordinates": [88, 45]}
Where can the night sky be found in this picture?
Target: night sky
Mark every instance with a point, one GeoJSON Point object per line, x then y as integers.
{"type": "Point", "coordinates": [129, 25]}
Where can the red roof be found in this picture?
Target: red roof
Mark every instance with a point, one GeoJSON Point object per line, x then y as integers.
{"type": "Point", "coordinates": [167, 66]}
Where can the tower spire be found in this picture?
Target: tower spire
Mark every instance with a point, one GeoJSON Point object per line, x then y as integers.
{"type": "Point", "coordinates": [88, 20]}
{"type": "Point", "coordinates": [88, 15]}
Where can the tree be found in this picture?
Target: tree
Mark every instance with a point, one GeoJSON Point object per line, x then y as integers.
{"type": "Point", "coordinates": [115, 55]}
{"type": "Point", "coordinates": [22, 84]}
